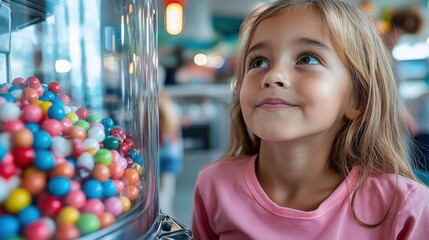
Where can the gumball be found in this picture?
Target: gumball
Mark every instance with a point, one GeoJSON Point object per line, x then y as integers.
{"type": "Point", "coordinates": [61, 146]}
{"type": "Point", "coordinates": [139, 160]}
{"type": "Point", "coordinates": [52, 126]}
{"type": "Point", "coordinates": [82, 113]}
{"type": "Point", "coordinates": [54, 87]}
{"type": "Point", "coordinates": [107, 122]}
{"type": "Point", "coordinates": [56, 111]}
{"type": "Point", "coordinates": [7, 170]}
{"type": "Point", "coordinates": [50, 224]}
{"type": "Point", "coordinates": [5, 140]}
{"type": "Point", "coordinates": [23, 156]}
{"type": "Point", "coordinates": [34, 182]}
{"type": "Point", "coordinates": [33, 127]}
{"type": "Point", "coordinates": [30, 94]}
{"type": "Point", "coordinates": [126, 203]}
{"type": "Point", "coordinates": [92, 189]}
{"type": "Point", "coordinates": [96, 133]}
{"type": "Point", "coordinates": [17, 200]}
{"type": "Point", "coordinates": [85, 160]}
{"type": "Point", "coordinates": [68, 215]}
{"type": "Point", "coordinates": [92, 118]}
{"type": "Point", "coordinates": [109, 188]}
{"type": "Point", "coordinates": [49, 205]}
{"type": "Point", "coordinates": [66, 232]}
{"type": "Point", "coordinates": [82, 174]}
{"type": "Point", "coordinates": [114, 206]}
{"type": "Point", "coordinates": [73, 117]}
{"type": "Point", "coordinates": [67, 126]}
{"type": "Point", "coordinates": [38, 88]}
{"type": "Point", "coordinates": [130, 176]}
{"type": "Point", "coordinates": [59, 186]}
{"type": "Point", "coordinates": [31, 113]}
{"type": "Point", "coordinates": [19, 82]}
{"type": "Point", "coordinates": [132, 153]}
{"type": "Point", "coordinates": [32, 81]}
{"type": "Point", "coordinates": [7, 96]}
{"type": "Point", "coordinates": [111, 142]}
{"type": "Point", "coordinates": [94, 206]}
{"type": "Point", "coordinates": [82, 123]}
{"type": "Point", "coordinates": [14, 182]}
{"type": "Point", "coordinates": [124, 148]}
{"type": "Point", "coordinates": [22, 138]}
{"type": "Point", "coordinates": [76, 199]}
{"type": "Point", "coordinates": [78, 146]}
{"type": "Point", "coordinates": [45, 107]}
{"type": "Point", "coordinates": [78, 132]}
{"type": "Point", "coordinates": [138, 168]}
{"type": "Point", "coordinates": [9, 226]}
{"type": "Point", "coordinates": [106, 219]}
{"type": "Point", "coordinates": [88, 223]}
{"type": "Point", "coordinates": [44, 160]}
{"type": "Point", "coordinates": [130, 163]}
{"type": "Point", "coordinates": [3, 151]}
{"type": "Point", "coordinates": [4, 189]}
{"type": "Point", "coordinates": [65, 98]}
{"type": "Point", "coordinates": [12, 126]}
{"type": "Point", "coordinates": [97, 124]}
{"type": "Point", "coordinates": [42, 140]}
{"type": "Point", "coordinates": [103, 156]}
{"type": "Point", "coordinates": [118, 132]}
{"type": "Point", "coordinates": [9, 111]}
{"type": "Point", "coordinates": [131, 192]}
{"type": "Point", "coordinates": [116, 171]}
{"type": "Point", "coordinates": [119, 186]}
{"type": "Point", "coordinates": [64, 169]}
{"type": "Point", "coordinates": [28, 215]}
{"type": "Point", "coordinates": [36, 230]}
{"type": "Point", "coordinates": [91, 143]}
{"type": "Point", "coordinates": [101, 172]}
{"type": "Point", "coordinates": [75, 185]}
{"type": "Point", "coordinates": [47, 96]}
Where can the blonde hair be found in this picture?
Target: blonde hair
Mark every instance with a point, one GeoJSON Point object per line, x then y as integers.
{"type": "Point", "coordinates": [374, 140]}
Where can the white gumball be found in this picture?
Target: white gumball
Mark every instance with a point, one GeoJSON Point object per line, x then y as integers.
{"type": "Point", "coordinates": [9, 111]}
{"type": "Point", "coordinates": [96, 133]}
{"type": "Point", "coordinates": [61, 146]}
{"type": "Point", "coordinates": [85, 160]}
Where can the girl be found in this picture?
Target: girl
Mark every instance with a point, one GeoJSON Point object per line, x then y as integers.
{"type": "Point", "coordinates": [317, 139]}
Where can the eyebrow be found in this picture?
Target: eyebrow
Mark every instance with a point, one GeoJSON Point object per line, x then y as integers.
{"type": "Point", "coordinates": [303, 40]}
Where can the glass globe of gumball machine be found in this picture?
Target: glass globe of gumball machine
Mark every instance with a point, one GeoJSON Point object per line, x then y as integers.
{"type": "Point", "coordinates": [79, 121]}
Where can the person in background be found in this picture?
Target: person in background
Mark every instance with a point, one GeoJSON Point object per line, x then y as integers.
{"type": "Point", "coordinates": [170, 151]}
{"type": "Point", "coordinates": [317, 148]}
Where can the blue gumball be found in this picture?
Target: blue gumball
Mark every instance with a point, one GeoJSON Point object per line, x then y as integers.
{"type": "Point", "coordinates": [42, 140]}
{"type": "Point", "coordinates": [93, 189]}
{"type": "Point", "coordinates": [44, 160]}
{"type": "Point", "coordinates": [57, 111]}
{"type": "Point", "coordinates": [29, 215]}
{"type": "Point", "coordinates": [9, 226]}
{"type": "Point", "coordinates": [109, 188]}
{"type": "Point", "coordinates": [59, 186]}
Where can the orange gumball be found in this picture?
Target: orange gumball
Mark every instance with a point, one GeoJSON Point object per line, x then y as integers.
{"type": "Point", "coordinates": [106, 219]}
{"type": "Point", "coordinates": [131, 176]}
{"type": "Point", "coordinates": [101, 172]}
{"type": "Point", "coordinates": [131, 192]}
{"type": "Point", "coordinates": [78, 132]}
{"type": "Point", "coordinates": [30, 94]}
{"type": "Point", "coordinates": [34, 182]}
{"type": "Point", "coordinates": [64, 169]}
{"type": "Point", "coordinates": [23, 138]}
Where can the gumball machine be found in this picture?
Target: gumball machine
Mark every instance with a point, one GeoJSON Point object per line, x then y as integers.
{"type": "Point", "coordinates": [79, 121]}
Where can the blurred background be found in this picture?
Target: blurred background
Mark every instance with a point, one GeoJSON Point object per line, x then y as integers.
{"type": "Point", "coordinates": [196, 61]}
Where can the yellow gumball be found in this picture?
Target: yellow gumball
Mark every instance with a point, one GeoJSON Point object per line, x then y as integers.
{"type": "Point", "coordinates": [17, 200]}
{"type": "Point", "coordinates": [68, 215]}
{"type": "Point", "coordinates": [126, 203]}
{"type": "Point", "coordinates": [138, 168]}
{"type": "Point", "coordinates": [72, 117]}
{"type": "Point", "coordinates": [45, 106]}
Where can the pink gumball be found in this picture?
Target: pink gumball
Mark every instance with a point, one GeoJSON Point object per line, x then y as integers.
{"type": "Point", "coordinates": [82, 113]}
{"type": "Point", "coordinates": [19, 82]}
{"type": "Point", "coordinates": [12, 126]}
{"type": "Point", "coordinates": [116, 170]}
{"type": "Point", "coordinates": [119, 185]}
{"type": "Point", "coordinates": [52, 126]}
{"type": "Point", "coordinates": [76, 199]}
{"type": "Point", "coordinates": [114, 206]}
{"type": "Point", "coordinates": [31, 113]}
{"type": "Point", "coordinates": [75, 185]}
{"type": "Point", "coordinates": [38, 88]}
{"type": "Point", "coordinates": [67, 126]}
{"type": "Point", "coordinates": [94, 206]}
{"type": "Point", "coordinates": [65, 98]}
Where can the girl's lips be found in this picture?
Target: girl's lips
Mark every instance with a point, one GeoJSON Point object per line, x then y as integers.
{"type": "Point", "coordinates": [274, 103]}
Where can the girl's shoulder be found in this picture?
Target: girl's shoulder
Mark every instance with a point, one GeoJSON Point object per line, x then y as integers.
{"type": "Point", "coordinates": [228, 164]}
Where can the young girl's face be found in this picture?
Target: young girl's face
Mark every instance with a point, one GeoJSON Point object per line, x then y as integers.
{"type": "Point", "coordinates": [295, 84]}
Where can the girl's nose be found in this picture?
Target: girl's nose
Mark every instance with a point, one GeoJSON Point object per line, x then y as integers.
{"type": "Point", "coordinates": [276, 77]}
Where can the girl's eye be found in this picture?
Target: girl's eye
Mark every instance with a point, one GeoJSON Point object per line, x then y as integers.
{"type": "Point", "coordinates": [259, 63]}
{"type": "Point", "coordinates": [308, 59]}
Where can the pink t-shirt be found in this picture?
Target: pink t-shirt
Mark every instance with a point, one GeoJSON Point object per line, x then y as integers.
{"type": "Point", "coordinates": [229, 203]}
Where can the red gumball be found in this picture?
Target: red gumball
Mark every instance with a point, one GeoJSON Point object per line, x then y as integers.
{"type": "Point", "coordinates": [129, 142]}
{"type": "Point", "coordinates": [118, 132]}
{"type": "Point", "coordinates": [78, 147]}
{"type": "Point", "coordinates": [32, 80]}
{"type": "Point", "coordinates": [37, 230]}
{"type": "Point", "coordinates": [19, 82]}
{"type": "Point", "coordinates": [7, 170]}
{"type": "Point", "coordinates": [124, 148]}
{"type": "Point", "coordinates": [54, 87]}
{"type": "Point", "coordinates": [23, 156]}
{"type": "Point", "coordinates": [82, 113]}
{"type": "Point", "coordinates": [49, 205]}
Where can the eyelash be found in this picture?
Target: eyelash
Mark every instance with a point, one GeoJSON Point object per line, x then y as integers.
{"type": "Point", "coordinates": [252, 58]}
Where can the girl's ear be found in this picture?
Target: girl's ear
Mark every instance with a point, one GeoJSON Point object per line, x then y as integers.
{"type": "Point", "coordinates": [352, 113]}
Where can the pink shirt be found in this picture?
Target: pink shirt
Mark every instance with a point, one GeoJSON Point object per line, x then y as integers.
{"type": "Point", "coordinates": [229, 203]}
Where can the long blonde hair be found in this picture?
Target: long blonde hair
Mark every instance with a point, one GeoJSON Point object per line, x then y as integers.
{"type": "Point", "coordinates": [375, 138]}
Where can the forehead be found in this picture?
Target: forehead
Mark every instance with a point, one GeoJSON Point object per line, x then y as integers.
{"type": "Point", "coordinates": [304, 22]}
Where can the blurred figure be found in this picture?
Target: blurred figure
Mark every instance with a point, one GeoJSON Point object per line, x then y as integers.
{"type": "Point", "coordinates": [170, 151]}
